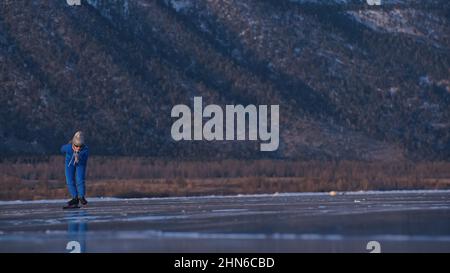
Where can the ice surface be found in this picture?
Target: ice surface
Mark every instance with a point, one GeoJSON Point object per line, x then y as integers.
{"type": "Point", "coordinates": [412, 221]}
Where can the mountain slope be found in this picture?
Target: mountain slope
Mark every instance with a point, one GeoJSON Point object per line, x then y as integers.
{"type": "Point", "coordinates": [352, 82]}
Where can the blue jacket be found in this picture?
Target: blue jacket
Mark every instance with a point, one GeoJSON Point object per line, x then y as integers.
{"type": "Point", "coordinates": [83, 155]}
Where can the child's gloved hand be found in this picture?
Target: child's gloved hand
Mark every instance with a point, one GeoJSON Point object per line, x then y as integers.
{"type": "Point", "coordinates": [76, 150]}
{"type": "Point", "coordinates": [76, 157]}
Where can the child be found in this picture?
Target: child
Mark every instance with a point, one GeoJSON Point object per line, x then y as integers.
{"type": "Point", "coordinates": [77, 154]}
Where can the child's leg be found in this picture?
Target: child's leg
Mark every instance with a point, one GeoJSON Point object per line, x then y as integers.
{"type": "Point", "coordinates": [81, 173]}
{"type": "Point", "coordinates": [70, 180]}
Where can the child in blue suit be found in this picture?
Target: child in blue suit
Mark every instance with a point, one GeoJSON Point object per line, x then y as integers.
{"type": "Point", "coordinates": [77, 154]}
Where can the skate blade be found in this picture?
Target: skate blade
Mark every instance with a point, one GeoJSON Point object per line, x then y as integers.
{"type": "Point", "coordinates": [77, 207]}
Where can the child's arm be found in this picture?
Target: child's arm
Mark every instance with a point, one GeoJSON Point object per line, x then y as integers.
{"type": "Point", "coordinates": [65, 148]}
{"type": "Point", "coordinates": [84, 153]}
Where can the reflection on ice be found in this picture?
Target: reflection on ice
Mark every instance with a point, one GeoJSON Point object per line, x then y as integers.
{"type": "Point", "coordinates": [76, 230]}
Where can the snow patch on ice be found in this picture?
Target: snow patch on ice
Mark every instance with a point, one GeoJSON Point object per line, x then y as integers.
{"type": "Point", "coordinates": [134, 235]}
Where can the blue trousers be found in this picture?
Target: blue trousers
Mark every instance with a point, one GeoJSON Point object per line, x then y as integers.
{"type": "Point", "coordinates": [75, 178]}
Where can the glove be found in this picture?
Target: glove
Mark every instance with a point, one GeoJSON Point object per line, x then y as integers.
{"type": "Point", "coordinates": [76, 158]}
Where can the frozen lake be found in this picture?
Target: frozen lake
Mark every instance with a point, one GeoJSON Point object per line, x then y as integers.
{"type": "Point", "coordinates": [410, 221]}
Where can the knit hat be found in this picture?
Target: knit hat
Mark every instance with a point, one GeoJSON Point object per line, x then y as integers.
{"type": "Point", "coordinates": [78, 139]}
